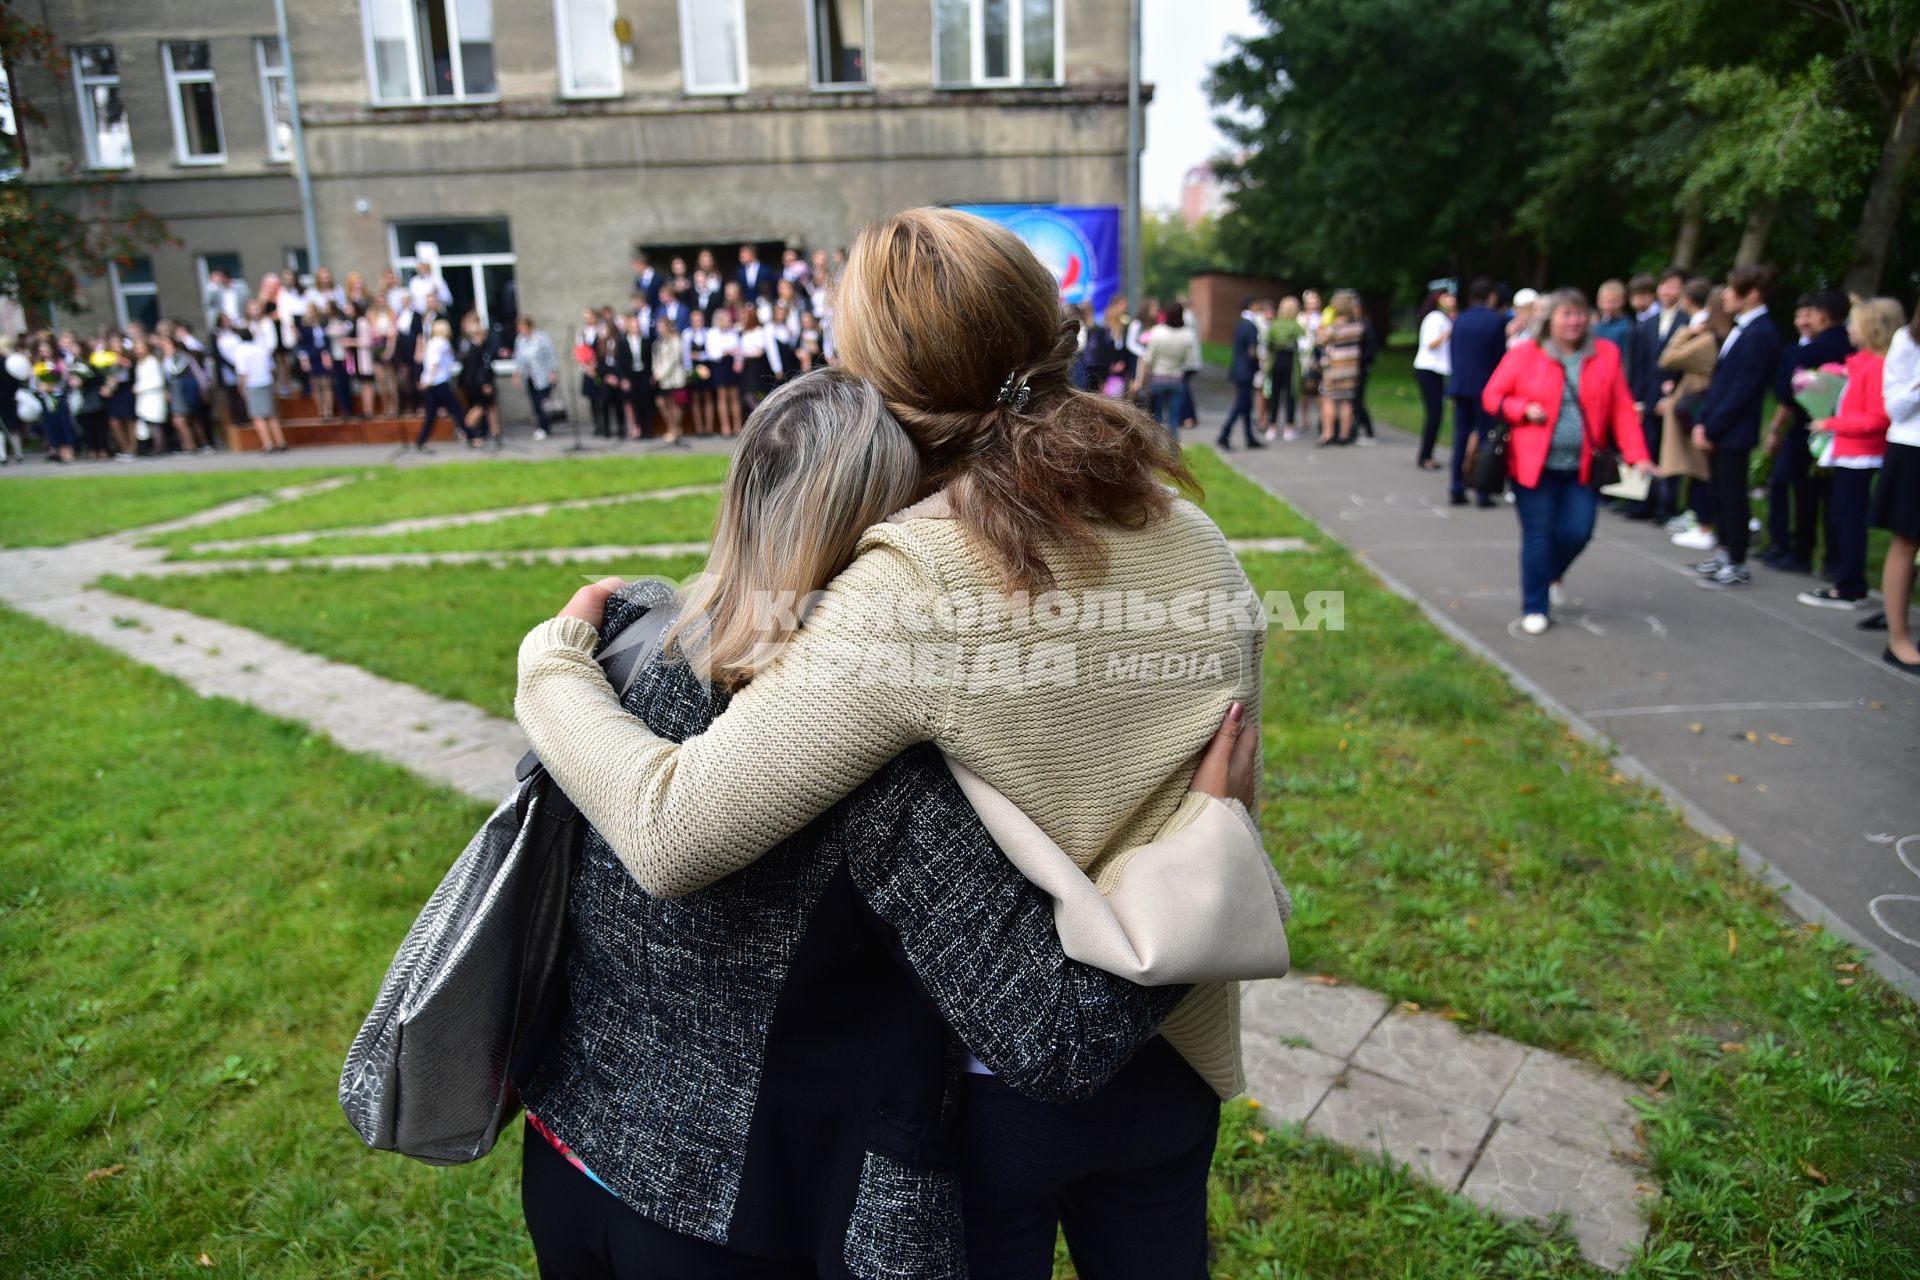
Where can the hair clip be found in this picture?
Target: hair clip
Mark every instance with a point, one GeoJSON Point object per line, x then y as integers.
{"type": "Point", "coordinates": [1015, 391]}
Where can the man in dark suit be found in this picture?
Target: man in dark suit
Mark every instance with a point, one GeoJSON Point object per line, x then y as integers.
{"type": "Point", "coordinates": [633, 366]}
{"type": "Point", "coordinates": [1479, 344]}
{"type": "Point", "coordinates": [646, 281]}
{"type": "Point", "coordinates": [1795, 495]}
{"type": "Point", "coordinates": [673, 309]}
{"type": "Point", "coordinates": [1244, 369]}
{"type": "Point", "coordinates": [1661, 315]}
{"type": "Point", "coordinates": [755, 280]}
{"type": "Point", "coordinates": [1728, 429]}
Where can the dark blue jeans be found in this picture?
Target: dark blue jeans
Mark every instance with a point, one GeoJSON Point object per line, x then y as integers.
{"type": "Point", "coordinates": [1849, 497]}
{"type": "Point", "coordinates": [1794, 497]}
{"type": "Point", "coordinates": [1167, 399]}
{"type": "Point", "coordinates": [1468, 419]}
{"type": "Point", "coordinates": [1556, 521]}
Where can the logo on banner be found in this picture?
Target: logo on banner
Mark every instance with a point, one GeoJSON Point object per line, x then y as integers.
{"type": "Point", "coordinates": [1062, 246]}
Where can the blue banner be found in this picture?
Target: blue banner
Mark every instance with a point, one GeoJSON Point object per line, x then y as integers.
{"type": "Point", "coordinates": [1080, 245]}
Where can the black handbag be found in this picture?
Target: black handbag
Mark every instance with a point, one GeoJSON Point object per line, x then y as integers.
{"type": "Point", "coordinates": [1604, 469]}
{"type": "Point", "coordinates": [1490, 460]}
{"type": "Point", "coordinates": [480, 976]}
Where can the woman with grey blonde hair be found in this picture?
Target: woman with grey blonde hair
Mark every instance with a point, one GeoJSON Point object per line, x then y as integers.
{"type": "Point", "coordinates": [1563, 394]}
{"type": "Point", "coordinates": [757, 1079]}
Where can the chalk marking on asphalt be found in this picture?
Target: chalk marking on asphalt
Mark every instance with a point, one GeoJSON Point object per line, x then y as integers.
{"type": "Point", "coordinates": [1585, 621]}
{"type": "Point", "coordinates": [1700, 707]}
{"type": "Point", "coordinates": [1874, 906]}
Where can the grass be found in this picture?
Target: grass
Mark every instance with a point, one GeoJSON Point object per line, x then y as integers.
{"type": "Point", "coordinates": [49, 511]}
{"type": "Point", "coordinates": [688, 518]}
{"type": "Point", "coordinates": [452, 630]}
{"type": "Point", "coordinates": [196, 905]}
{"type": "Point", "coordinates": [188, 950]}
{"type": "Point", "coordinates": [1447, 844]}
{"type": "Point", "coordinates": [439, 491]}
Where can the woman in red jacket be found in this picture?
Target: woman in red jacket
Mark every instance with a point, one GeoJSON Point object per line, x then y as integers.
{"type": "Point", "coordinates": [1564, 395]}
{"type": "Point", "coordinates": [1859, 425]}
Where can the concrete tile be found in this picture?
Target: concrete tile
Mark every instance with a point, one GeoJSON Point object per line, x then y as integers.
{"type": "Point", "coordinates": [1437, 1139]}
{"type": "Point", "coordinates": [1287, 1082]}
{"type": "Point", "coordinates": [1433, 1055]}
{"type": "Point", "coordinates": [1333, 1020]}
{"type": "Point", "coordinates": [1528, 1175]}
{"type": "Point", "coordinates": [1573, 1102]}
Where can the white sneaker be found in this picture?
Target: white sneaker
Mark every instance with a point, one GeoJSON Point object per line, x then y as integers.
{"type": "Point", "coordinates": [1291, 435]}
{"type": "Point", "coordinates": [539, 435]}
{"type": "Point", "coordinates": [1534, 624]}
{"type": "Point", "coordinates": [1681, 523]}
{"type": "Point", "coordinates": [1696, 540]}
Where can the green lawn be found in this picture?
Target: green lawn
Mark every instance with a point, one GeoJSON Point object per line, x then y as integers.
{"type": "Point", "coordinates": [687, 518]}
{"type": "Point", "coordinates": [50, 510]}
{"type": "Point", "coordinates": [448, 490]}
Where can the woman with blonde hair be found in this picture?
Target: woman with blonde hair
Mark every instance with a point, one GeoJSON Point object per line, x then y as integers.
{"type": "Point", "coordinates": [1340, 342]}
{"type": "Point", "coordinates": [1858, 450]}
{"type": "Point", "coordinates": [1041, 503]}
{"type": "Point", "coordinates": [802, 1008]}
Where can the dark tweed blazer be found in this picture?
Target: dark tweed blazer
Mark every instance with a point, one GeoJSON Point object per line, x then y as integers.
{"type": "Point", "coordinates": [771, 1063]}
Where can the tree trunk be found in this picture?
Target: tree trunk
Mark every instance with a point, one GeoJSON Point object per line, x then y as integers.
{"type": "Point", "coordinates": [1686, 244]}
{"type": "Point", "coordinates": [1881, 213]}
{"type": "Point", "coordinates": [1753, 241]}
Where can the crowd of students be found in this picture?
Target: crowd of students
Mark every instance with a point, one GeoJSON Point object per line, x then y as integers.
{"type": "Point", "coordinates": [696, 349]}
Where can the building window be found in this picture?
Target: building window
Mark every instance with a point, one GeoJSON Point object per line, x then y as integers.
{"type": "Point", "coordinates": [103, 112]}
{"type": "Point", "coordinates": [136, 299]}
{"type": "Point", "coordinates": [193, 101]}
{"type": "Point", "coordinates": [421, 51]}
{"type": "Point", "coordinates": [996, 42]}
{"type": "Point", "coordinates": [589, 55]}
{"type": "Point", "coordinates": [713, 46]}
{"type": "Point", "coordinates": [474, 256]}
{"type": "Point", "coordinates": [842, 32]}
{"type": "Point", "coordinates": [276, 97]}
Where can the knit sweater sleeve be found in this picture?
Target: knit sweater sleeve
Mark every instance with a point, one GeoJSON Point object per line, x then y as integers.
{"type": "Point", "coordinates": [842, 700]}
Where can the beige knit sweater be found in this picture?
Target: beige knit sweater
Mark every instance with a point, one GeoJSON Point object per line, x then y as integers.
{"type": "Point", "coordinates": [1090, 728]}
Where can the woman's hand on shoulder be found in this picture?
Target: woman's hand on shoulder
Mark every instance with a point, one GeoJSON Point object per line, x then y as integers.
{"type": "Point", "coordinates": [589, 603]}
{"type": "Point", "coordinates": [1229, 768]}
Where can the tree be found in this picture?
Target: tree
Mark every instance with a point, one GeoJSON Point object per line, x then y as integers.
{"type": "Point", "coordinates": [1172, 253]}
{"type": "Point", "coordinates": [1372, 167]}
{"type": "Point", "coordinates": [54, 232]}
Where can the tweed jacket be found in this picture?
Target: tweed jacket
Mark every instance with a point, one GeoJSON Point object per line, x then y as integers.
{"type": "Point", "coordinates": [771, 1063]}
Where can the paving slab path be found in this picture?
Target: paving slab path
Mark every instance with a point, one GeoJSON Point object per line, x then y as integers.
{"type": "Point", "coordinates": [1521, 1131]}
{"type": "Point", "coordinates": [1768, 723]}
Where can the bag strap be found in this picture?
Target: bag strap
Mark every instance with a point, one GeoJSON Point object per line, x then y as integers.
{"type": "Point", "coordinates": [622, 661]}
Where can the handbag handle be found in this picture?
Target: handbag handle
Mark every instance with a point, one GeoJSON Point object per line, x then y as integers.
{"type": "Point", "coordinates": [622, 661]}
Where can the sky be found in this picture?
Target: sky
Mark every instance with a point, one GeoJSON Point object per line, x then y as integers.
{"type": "Point", "coordinates": [1179, 40]}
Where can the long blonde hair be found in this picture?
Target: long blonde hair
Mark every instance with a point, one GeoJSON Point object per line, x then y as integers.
{"type": "Point", "coordinates": [961, 328]}
{"type": "Point", "coordinates": [819, 461]}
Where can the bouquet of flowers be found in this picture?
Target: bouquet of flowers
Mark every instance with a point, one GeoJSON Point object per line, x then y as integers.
{"type": "Point", "coordinates": [1818, 390]}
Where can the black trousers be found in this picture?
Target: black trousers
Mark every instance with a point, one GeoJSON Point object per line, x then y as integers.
{"type": "Point", "coordinates": [582, 1232]}
{"type": "Point", "coordinates": [1795, 497]}
{"type": "Point", "coordinates": [537, 397]}
{"type": "Point", "coordinates": [1282, 386]}
{"type": "Point", "coordinates": [1242, 412]}
{"type": "Point", "coordinates": [1433, 388]}
{"type": "Point", "coordinates": [1124, 1173]}
{"type": "Point", "coordinates": [1470, 421]}
{"type": "Point", "coordinates": [1362, 416]}
{"type": "Point", "coordinates": [1849, 501]}
{"type": "Point", "coordinates": [1731, 504]}
{"type": "Point", "coordinates": [438, 398]}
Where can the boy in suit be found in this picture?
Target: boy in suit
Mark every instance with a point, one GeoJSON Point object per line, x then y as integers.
{"type": "Point", "coordinates": [1243, 370]}
{"type": "Point", "coordinates": [1795, 495]}
{"type": "Point", "coordinates": [1728, 430]}
{"type": "Point", "coordinates": [1479, 344]}
{"type": "Point", "coordinates": [1660, 315]}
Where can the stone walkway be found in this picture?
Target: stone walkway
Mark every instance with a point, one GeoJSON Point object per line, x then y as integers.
{"type": "Point", "coordinates": [1521, 1131]}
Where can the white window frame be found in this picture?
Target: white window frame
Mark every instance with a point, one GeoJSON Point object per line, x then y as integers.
{"type": "Point", "coordinates": [268, 75]}
{"type": "Point", "coordinates": [563, 31]}
{"type": "Point", "coordinates": [418, 95]}
{"type": "Point", "coordinates": [1016, 48]}
{"type": "Point", "coordinates": [404, 263]}
{"type": "Point", "coordinates": [89, 127]}
{"type": "Point", "coordinates": [175, 80]}
{"type": "Point", "coordinates": [813, 53]}
{"type": "Point", "coordinates": [121, 292]}
{"type": "Point", "coordinates": [739, 84]}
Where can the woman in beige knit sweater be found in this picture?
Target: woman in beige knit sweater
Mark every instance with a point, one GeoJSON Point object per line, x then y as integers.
{"type": "Point", "coordinates": [1051, 615]}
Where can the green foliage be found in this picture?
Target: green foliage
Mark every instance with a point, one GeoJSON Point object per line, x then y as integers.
{"type": "Point", "coordinates": [1172, 253]}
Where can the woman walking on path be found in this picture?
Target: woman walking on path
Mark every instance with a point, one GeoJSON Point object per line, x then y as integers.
{"type": "Point", "coordinates": [1036, 488]}
{"type": "Point", "coordinates": [1168, 350]}
{"type": "Point", "coordinates": [1564, 396]}
{"type": "Point", "coordinates": [1283, 344]}
{"type": "Point", "coordinates": [1340, 343]}
{"type": "Point", "coordinates": [1859, 426]}
{"type": "Point", "coordinates": [1432, 366]}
